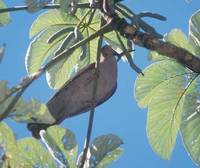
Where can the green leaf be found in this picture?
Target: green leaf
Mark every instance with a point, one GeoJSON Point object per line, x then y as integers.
{"type": "Point", "coordinates": [154, 76]}
{"type": "Point", "coordinates": [4, 17]}
{"type": "Point", "coordinates": [32, 112]}
{"type": "Point", "coordinates": [8, 144]}
{"type": "Point", "coordinates": [64, 140]}
{"type": "Point", "coordinates": [62, 71]}
{"type": "Point", "coordinates": [39, 50]}
{"type": "Point", "coordinates": [4, 91]}
{"type": "Point", "coordinates": [104, 150]}
{"type": "Point", "coordinates": [176, 37]}
{"type": "Point", "coordinates": [111, 39]}
{"type": "Point", "coordinates": [51, 18]}
{"type": "Point", "coordinates": [190, 126]}
{"type": "Point", "coordinates": [194, 31]}
{"type": "Point", "coordinates": [162, 90]}
{"type": "Point", "coordinates": [34, 154]}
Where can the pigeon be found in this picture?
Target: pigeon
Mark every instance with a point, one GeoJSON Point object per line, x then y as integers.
{"type": "Point", "coordinates": [76, 95]}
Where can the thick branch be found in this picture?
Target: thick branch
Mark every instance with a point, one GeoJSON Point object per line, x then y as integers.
{"type": "Point", "coordinates": [150, 42]}
{"type": "Point", "coordinates": [48, 6]}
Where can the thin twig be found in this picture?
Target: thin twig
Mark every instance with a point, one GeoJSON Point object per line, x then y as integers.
{"type": "Point", "coordinates": [91, 117]}
{"type": "Point", "coordinates": [48, 6]}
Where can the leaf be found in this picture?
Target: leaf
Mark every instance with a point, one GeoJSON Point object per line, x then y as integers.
{"type": "Point", "coordinates": [194, 31]}
{"type": "Point", "coordinates": [58, 74]}
{"type": "Point", "coordinates": [39, 50]}
{"type": "Point", "coordinates": [66, 142]}
{"type": "Point", "coordinates": [32, 112]}
{"type": "Point", "coordinates": [51, 18]}
{"type": "Point", "coordinates": [111, 39]}
{"type": "Point", "coordinates": [4, 91]}
{"type": "Point", "coordinates": [8, 145]}
{"type": "Point", "coordinates": [176, 37]}
{"type": "Point", "coordinates": [154, 76]}
{"type": "Point", "coordinates": [190, 126]}
{"type": "Point", "coordinates": [34, 154]}
{"type": "Point", "coordinates": [4, 17]}
{"type": "Point", "coordinates": [162, 90]}
{"type": "Point", "coordinates": [104, 150]}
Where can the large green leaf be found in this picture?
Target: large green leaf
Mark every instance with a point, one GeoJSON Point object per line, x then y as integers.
{"type": "Point", "coordinates": [176, 37]}
{"type": "Point", "coordinates": [8, 146]}
{"type": "Point", "coordinates": [51, 18]}
{"type": "Point", "coordinates": [194, 31]}
{"type": "Point", "coordinates": [64, 142]}
{"type": "Point", "coordinates": [4, 17]}
{"type": "Point", "coordinates": [62, 71]}
{"type": "Point", "coordinates": [190, 126]}
{"type": "Point", "coordinates": [39, 50]}
{"type": "Point", "coordinates": [162, 90]}
{"type": "Point", "coordinates": [34, 154]}
{"type": "Point", "coordinates": [104, 150]}
{"type": "Point", "coordinates": [154, 75]}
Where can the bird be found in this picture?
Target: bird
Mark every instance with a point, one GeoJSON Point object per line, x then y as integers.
{"type": "Point", "coordinates": [76, 95]}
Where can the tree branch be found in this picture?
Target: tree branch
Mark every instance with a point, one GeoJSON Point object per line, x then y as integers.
{"type": "Point", "coordinates": [150, 42]}
{"type": "Point", "coordinates": [48, 6]}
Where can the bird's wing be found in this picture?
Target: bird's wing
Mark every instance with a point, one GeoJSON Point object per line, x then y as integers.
{"type": "Point", "coordinates": [78, 74]}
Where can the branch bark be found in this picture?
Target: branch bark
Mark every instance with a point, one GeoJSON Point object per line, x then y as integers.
{"type": "Point", "coordinates": [150, 42]}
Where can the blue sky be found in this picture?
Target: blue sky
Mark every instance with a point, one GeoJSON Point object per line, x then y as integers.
{"type": "Point", "coordinates": [120, 115]}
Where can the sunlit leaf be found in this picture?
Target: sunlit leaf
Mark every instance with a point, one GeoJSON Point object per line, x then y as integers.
{"type": "Point", "coordinates": [51, 18]}
{"type": "Point", "coordinates": [162, 90]}
{"type": "Point", "coordinates": [4, 17]}
{"type": "Point", "coordinates": [104, 150]}
{"type": "Point", "coordinates": [39, 50]}
{"type": "Point", "coordinates": [62, 71]}
{"type": "Point", "coordinates": [111, 39]}
{"type": "Point", "coordinates": [190, 126]}
{"type": "Point", "coordinates": [154, 75]}
{"type": "Point", "coordinates": [8, 144]}
{"type": "Point", "coordinates": [34, 154]}
{"type": "Point", "coordinates": [24, 111]}
{"type": "Point", "coordinates": [194, 31]}
{"type": "Point", "coordinates": [32, 111]}
{"type": "Point", "coordinates": [65, 141]}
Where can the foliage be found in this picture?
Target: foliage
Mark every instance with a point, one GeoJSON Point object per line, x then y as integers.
{"type": "Point", "coordinates": [29, 152]}
{"type": "Point", "coordinates": [4, 17]}
{"type": "Point", "coordinates": [171, 94]}
{"type": "Point", "coordinates": [169, 90]}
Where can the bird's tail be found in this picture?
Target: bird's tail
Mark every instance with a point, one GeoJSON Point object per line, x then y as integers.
{"type": "Point", "coordinates": [35, 128]}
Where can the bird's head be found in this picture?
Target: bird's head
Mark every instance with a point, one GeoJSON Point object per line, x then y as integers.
{"type": "Point", "coordinates": [107, 51]}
